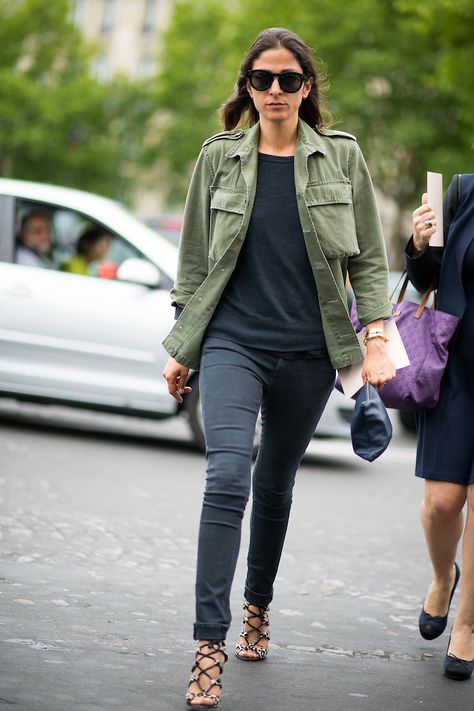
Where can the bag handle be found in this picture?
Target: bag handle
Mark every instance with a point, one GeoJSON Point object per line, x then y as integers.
{"type": "Point", "coordinates": [424, 300]}
{"type": "Point", "coordinates": [402, 293]}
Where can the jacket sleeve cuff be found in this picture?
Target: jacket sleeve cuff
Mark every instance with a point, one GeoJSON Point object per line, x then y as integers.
{"type": "Point", "coordinates": [367, 316]}
{"type": "Point", "coordinates": [410, 251]}
{"type": "Point", "coordinates": [423, 268]}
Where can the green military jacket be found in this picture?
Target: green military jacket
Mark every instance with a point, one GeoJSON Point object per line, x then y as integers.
{"type": "Point", "coordinates": [340, 223]}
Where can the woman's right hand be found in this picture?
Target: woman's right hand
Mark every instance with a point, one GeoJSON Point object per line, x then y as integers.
{"type": "Point", "coordinates": [175, 375]}
{"type": "Point", "coordinates": [422, 232]}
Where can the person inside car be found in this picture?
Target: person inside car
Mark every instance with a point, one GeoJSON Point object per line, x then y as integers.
{"type": "Point", "coordinates": [34, 241]}
{"type": "Point", "coordinates": [92, 246]}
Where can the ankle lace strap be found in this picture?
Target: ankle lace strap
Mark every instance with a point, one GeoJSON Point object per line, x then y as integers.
{"type": "Point", "coordinates": [261, 616]}
{"type": "Point", "coordinates": [202, 675]}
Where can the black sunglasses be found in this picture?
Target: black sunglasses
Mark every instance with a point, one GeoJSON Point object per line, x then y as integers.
{"type": "Point", "coordinates": [262, 79]}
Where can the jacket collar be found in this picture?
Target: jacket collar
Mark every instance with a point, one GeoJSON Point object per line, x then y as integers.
{"type": "Point", "coordinates": [308, 141]}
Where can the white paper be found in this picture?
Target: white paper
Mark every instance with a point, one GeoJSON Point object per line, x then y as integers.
{"type": "Point", "coordinates": [351, 376]}
{"type": "Point", "coordinates": [434, 188]}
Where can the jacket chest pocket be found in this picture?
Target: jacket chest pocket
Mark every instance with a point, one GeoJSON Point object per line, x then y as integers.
{"type": "Point", "coordinates": [332, 214]}
{"type": "Point", "coordinates": [227, 214]}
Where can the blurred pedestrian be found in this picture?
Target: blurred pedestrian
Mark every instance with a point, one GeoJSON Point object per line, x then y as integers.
{"type": "Point", "coordinates": [34, 241]}
{"type": "Point", "coordinates": [92, 246]}
{"type": "Point", "coordinates": [445, 454]}
{"type": "Point", "coordinates": [275, 217]}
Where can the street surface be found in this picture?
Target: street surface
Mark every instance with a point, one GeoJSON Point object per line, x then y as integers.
{"type": "Point", "coordinates": [97, 550]}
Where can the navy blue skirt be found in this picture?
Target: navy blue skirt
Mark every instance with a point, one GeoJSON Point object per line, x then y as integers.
{"type": "Point", "coordinates": [446, 435]}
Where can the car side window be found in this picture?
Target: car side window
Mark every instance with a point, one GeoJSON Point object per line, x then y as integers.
{"type": "Point", "coordinates": [67, 228]}
{"type": "Point", "coordinates": [59, 238]}
{"type": "Point", "coordinates": [89, 248]}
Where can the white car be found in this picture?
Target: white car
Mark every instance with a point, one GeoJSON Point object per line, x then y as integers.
{"type": "Point", "coordinates": [89, 341]}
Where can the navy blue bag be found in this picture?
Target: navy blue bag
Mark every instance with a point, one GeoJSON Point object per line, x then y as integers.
{"type": "Point", "coordinates": [371, 429]}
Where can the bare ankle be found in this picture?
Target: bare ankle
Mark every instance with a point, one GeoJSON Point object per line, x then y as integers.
{"type": "Point", "coordinates": [446, 579]}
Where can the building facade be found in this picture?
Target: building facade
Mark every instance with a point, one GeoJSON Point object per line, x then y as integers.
{"type": "Point", "coordinates": [127, 33]}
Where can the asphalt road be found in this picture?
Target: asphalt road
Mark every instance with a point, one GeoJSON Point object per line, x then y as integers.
{"type": "Point", "coordinates": [97, 563]}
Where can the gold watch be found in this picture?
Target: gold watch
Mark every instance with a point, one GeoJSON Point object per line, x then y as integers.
{"type": "Point", "coordinates": [375, 333]}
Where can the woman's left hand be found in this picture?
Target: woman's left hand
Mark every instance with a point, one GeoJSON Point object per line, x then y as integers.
{"type": "Point", "coordinates": [377, 367]}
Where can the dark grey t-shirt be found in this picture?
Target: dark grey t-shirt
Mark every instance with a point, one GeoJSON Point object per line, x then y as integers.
{"type": "Point", "coordinates": [271, 300]}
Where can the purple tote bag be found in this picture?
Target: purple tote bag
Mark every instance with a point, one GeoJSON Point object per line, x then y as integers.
{"type": "Point", "coordinates": [426, 333]}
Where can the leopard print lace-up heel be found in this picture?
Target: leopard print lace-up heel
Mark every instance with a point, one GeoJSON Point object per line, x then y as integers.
{"type": "Point", "coordinates": [253, 634]}
{"type": "Point", "coordinates": [210, 655]}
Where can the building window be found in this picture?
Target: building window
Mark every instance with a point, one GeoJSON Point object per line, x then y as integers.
{"type": "Point", "coordinates": [150, 16]}
{"type": "Point", "coordinates": [146, 68]}
{"type": "Point", "coordinates": [79, 13]}
{"type": "Point", "coordinates": [102, 69]}
{"type": "Point", "coordinates": [109, 16]}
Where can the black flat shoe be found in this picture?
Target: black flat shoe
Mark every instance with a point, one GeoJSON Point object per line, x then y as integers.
{"type": "Point", "coordinates": [432, 627]}
{"type": "Point", "coordinates": [455, 668]}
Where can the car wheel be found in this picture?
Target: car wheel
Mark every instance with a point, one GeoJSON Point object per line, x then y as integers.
{"type": "Point", "coordinates": [192, 407]}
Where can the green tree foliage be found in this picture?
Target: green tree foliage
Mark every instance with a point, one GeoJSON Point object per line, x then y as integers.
{"type": "Point", "coordinates": [400, 75]}
{"type": "Point", "coordinates": [194, 80]}
{"type": "Point", "coordinates": [57, 124]}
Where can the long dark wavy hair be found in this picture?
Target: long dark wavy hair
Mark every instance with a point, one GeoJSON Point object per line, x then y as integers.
{"type": "Point", "coordinates": [239, 109]}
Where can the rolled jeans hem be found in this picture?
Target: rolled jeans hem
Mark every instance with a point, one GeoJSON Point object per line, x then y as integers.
{"type": "Point", "coordinates": [257, 598]}
{"type": "Point", "coordinates": [210, 631]}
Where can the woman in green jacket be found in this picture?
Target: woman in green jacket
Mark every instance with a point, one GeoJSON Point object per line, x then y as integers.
{"type": "Point", "coordinates": [276, 216]}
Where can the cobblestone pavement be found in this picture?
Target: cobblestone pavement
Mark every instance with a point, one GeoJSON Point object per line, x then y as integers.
{"type": "Point", "coordinates": [97, 556]}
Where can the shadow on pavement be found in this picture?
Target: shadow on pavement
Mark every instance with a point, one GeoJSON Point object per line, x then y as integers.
{"type": "Point", "coordinates": [96, 432]}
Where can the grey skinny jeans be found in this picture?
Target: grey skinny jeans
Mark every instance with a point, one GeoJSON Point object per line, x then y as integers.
{"type": "Point", "coordinates": [235, 382]}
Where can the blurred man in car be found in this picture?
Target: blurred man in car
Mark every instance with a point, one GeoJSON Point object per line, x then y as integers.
{"type": "Point", "coordinates": [34, 241]}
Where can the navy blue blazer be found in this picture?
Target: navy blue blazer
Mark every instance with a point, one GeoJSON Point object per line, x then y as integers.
{"type": "Point", "coordinates": [445, 433]}
{"type": "Point", "coordinates": [443, 265]}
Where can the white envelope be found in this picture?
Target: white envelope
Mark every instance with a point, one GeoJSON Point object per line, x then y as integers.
{"type": "Point", "coordinates": [351, 376]}
{"type": "Point", "coordinates": [434, 188]}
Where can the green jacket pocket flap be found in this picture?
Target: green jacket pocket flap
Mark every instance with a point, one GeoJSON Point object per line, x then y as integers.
{"type": "Point", "coordinates": [328, 194]}
{"type": "Point", "coordinates": [228, 200]}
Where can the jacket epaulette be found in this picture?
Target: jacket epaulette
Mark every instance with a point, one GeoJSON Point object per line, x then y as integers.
{"type": "Point", "coordinates": [330, 134]}
{"type": "Point", "coordinates": [229, 135]}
